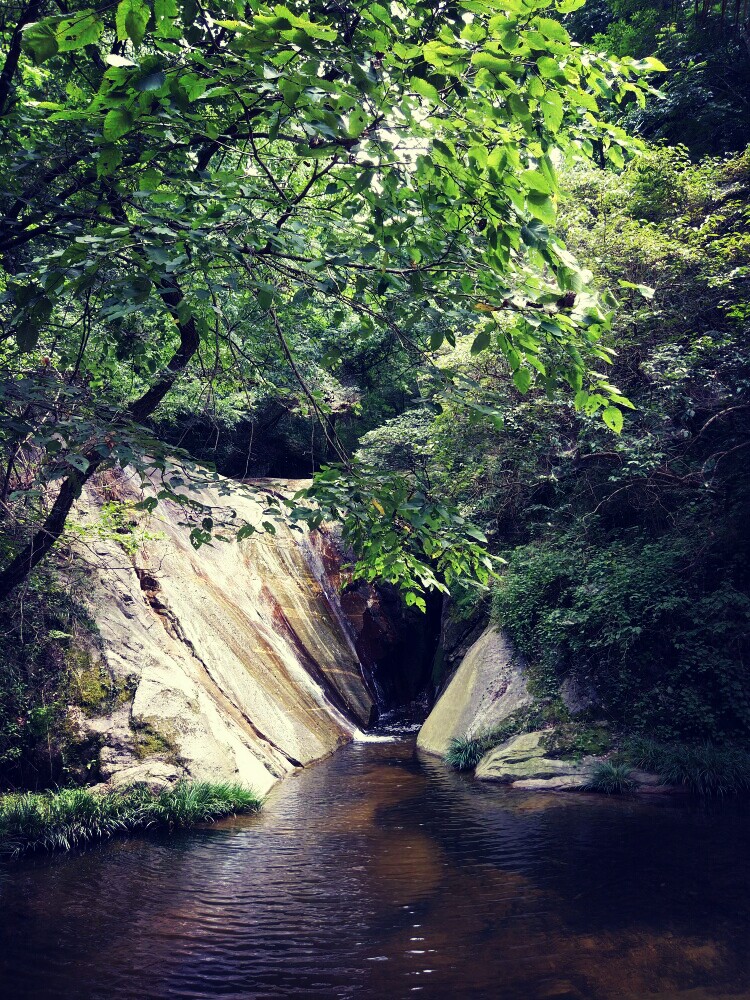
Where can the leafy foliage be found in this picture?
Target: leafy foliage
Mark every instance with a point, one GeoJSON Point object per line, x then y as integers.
{"type": "Point", "coordinates": [180, 187]}
{"type": "Point", "coordinates": [627, 557]}
{"type": "Point", "coordinates": [45, 666]}
{"type": "Point", "coordinates": [399, 535]}
{"type": "Point", "coordinates": [704, 97]}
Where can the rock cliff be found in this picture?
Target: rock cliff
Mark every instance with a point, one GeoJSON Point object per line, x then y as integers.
{"type": "Point", "coordinates": [235, 662]}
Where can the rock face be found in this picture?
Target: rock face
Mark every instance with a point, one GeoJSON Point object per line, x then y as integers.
{"type": "Point", "coordinates": [578, 695]}
{"type": "Point", "coordinates": [522, 762]}
{"type": "Point", "coordinates": [241, 663]}
{"type": "Point", "coordinates": [394, 643]}
{"type": "Point", "coordinates": [487, 687]}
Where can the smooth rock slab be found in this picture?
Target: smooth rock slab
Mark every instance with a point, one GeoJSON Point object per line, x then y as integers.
{"type": "Point", "coordinates": [522, 759]}
{"type": "Point", "coordinates": [239, 656]}
{"type": "Point", "coordinates": [488, 686]}
{"type": "Point", "coordinates": [561, 783]}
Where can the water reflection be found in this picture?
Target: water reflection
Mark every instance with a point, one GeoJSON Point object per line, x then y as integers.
{"type": "Point", "coordinates": [380, 875]}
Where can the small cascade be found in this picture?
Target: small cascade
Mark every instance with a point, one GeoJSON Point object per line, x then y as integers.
{"type": "Point", "coordinates": [245, 659]}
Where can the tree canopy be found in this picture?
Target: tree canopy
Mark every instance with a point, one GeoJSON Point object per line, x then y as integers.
{"type": "Point", "coordinates": [183, 181]}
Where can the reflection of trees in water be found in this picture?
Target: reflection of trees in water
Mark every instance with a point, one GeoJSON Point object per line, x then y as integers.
{"type": "Point", "coordinates": [371, 868]}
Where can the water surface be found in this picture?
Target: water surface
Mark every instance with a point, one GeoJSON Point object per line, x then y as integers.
{"type": "Point", "coordinates": [378, 874]}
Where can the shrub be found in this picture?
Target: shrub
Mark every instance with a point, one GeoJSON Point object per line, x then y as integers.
{"type": "Point", "coordinates": [188, 803]}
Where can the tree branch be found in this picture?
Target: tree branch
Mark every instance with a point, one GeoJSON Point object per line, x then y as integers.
{"type": "Point", "coordinates": [28, 16]}
{"type": "Point", "coordinates": [46, 536]}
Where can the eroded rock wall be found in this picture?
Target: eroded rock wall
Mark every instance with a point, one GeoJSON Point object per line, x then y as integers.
{"type": "Point", "coordinates": [241, 662]}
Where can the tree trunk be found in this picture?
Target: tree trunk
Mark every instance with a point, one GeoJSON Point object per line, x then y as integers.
{"type": "Point", "coordinates": [46, 536]}
{"type": "Point", "coordinates": [29, 15]}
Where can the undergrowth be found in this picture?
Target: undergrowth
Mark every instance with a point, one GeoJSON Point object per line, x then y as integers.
{"type": "Point", "coordinates": [73, 817]}
{"type": "Point", "coordinates": [705, 769]}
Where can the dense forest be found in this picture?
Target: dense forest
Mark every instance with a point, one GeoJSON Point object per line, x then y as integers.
{"type": "Point", "coordinates": [480, 269]}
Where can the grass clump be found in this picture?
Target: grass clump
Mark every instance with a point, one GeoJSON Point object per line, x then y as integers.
{"type": "Point", "coordinates": [73, 817]}
{"type": "Point", "coordinates": [611, 778]}
{"type": "Point", "coordinates": [464, 753]}
{"type": "Point", "coordinates": [705, 769]}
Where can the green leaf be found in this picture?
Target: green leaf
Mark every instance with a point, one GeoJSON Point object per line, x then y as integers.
{"type": "Point", "coordinates": [27, 335]}
{"type": "Point", "coordinates": [552, 110]}
{"type": "Point", "coordinates": [542, 206]}
{"type": "Point", "coordinates": [652, 64]}
{"type": "Point", "coordinates": [551, 28]}
{"type": "Point", "coordinates": [149, 504]}
{"type": "Point", "coordinates": [489, 61]}
{"type": "Point", "coordinates": [481, 342]}
{"type": "Point", "coordinates": [108, 161]}
{"type": "Point", "coordinates": [79, 462]}
{"type": "Point", "coordinates": [549, 68]}
{"type": "Point", "coordinates": [612, 418]}
{"type": "Point", "coordinates": [522, 379]}
{"type": "Point", "coordinates": [40, 40]}
{"type": "Point", "coordinates": [536, 181]}
{"type": "Point", "coordinates": [165, 12]}
{"type": "Point", "coordinates": [424, 89]}
{"type": "Point", "coordinates": [131, 19]}
{"type": "Point", "coordinates": [83, 29]}
{"type": "Point", "coordinates": [117, 122]}
{"type": "Point", "coordinates": [645, 290]}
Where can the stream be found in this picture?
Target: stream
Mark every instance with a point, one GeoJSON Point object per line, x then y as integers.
{"type": "Point", "coordinates": [378, 873]}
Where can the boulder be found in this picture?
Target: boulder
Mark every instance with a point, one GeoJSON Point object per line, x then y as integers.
{"type": "Point", "coordinates": [156, 774]}
{"type": "Point", "coordinates": [522, 760]}
{"type": "Point", "coordinates": [488, 686]}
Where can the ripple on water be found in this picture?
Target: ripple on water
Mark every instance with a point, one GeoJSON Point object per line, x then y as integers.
{"type": "Point", "coordinates": [377, 874]}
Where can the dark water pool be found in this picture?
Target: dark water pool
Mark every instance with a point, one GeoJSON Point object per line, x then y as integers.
{"type": "Point", "coordinates": [379, 875]}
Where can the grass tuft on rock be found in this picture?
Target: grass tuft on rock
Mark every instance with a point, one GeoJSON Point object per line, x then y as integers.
{"type": "Point", "coordinates": [465, 753]}
{"type": "Point", "coordinates": [564, 737]}
{"type": "Point", "coordinates": [611, 778]}
{"type": "Point", "coordinates": [73, 817]}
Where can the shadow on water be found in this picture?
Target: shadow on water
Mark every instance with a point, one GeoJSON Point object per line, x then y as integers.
{"type": "Point", "coordinates": [381, 874]}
